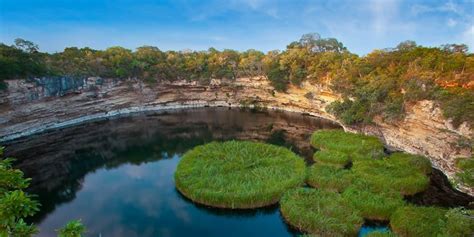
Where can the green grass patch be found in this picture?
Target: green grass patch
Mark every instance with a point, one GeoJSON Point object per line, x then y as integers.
{"type": "Point", "coordinates": [320, 212]}
{"type": "Point", "coordinates": [466, 173]}
{"type": "Point", "coordinates": [357, 146]}
{"type": "Point", "coordinates": [432, 221]}
{"type": "Point", "coordinates": [329, 177]}
{"type": "Point", "coordinates": [331, 157]}
{"type": "Point", "coordinates": [373, 206]}
{"type": "Point", "coordinates": [238, 174]}
{"type": "Point", "coordinates": [395, 175]}
{"type": "Point", "coordinates": [419, 162]}
{"type": "Point", "coordinates": [418, 221]}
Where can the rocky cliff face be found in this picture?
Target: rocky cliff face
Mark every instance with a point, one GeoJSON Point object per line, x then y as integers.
{"type": "Point", "coordinates": [36, 105]}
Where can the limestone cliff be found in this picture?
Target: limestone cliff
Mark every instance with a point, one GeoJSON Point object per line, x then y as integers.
{"type": "Point", "coordinates": [37, 105]}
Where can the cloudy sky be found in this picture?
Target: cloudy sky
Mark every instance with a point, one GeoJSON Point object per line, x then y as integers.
{"type": "Point", "coordinates": [362, 25]}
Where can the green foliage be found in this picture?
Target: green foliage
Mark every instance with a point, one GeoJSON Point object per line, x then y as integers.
{"type": "Point", "coordinates": [329, 177]}
{"type": "Point", "coordinates": [14, 203]}
{"type": "Point", "coordinates": [432, 221]}
{"type": "Point", "coordinates": [72, 229]}
{"type": "Point", "coordinates": [419, 162]}
{"type": "Point", "coordinates": [398, 176]}
{"type": "Point", "coordinates": [356, 146]}
{"type": "Point", "coordinates": [418, 221]}
{"type": "Point", "coordinates": [320, 212]}
{"type": "Point", "coordinates": [466, 173]}
{"type": "Point", "coordinates": [330, 157]}
{"type": "Point", "coordinates": [373, 205]}
{"type": "Point", "coordinates": [459, 222]}
{"type": "Point", "coordinates": [238, 174]}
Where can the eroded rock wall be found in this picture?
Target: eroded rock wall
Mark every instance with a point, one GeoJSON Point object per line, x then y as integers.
{"type": "Point", "coordinates": [36, 105]}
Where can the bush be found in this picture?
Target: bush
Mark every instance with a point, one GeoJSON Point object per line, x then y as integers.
{"type": "Point", "coordinates": [238, 174]}
{"type": "Point", "coordinates": [373, 206]}
{"type": "Point", "coordinates": [72, 229]}
{"type": "Point", "coordinates": [329, 177]}
{"type": "Point", "coordinates": [331, 157]}
{"type": "Point", "coordinates": [320, 212]}
{"type": "Point", "coordinates": [357, 146]}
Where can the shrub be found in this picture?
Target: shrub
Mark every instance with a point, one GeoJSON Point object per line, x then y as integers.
{"type": "Point", "coordinates": [329, 177]}
{"type": "Point", "coordinates": [373, 206]}
{"type": "Point", "coordinates": [331, 157]}
{"type": "Point", "coordinates": [72, 229]}
{"type": "Point", "coordinates": [238, 174]}
{"type": "Point", "coordinates": [357, 146]}
{"type": "Point", "coordinates": [320, 212]}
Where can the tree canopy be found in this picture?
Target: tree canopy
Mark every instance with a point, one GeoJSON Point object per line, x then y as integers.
{"type": "Point", "coordinates": [380, 83]}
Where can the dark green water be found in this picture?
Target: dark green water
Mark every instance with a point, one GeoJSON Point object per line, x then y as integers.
{"type": "Point", "coordinates": [117, 175]}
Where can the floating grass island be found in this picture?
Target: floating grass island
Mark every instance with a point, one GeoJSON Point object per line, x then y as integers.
{"type": "Point", "coordinates": [432, 221]}
{"type": "Point", "coordinates": [352, 180]}
{"type": "Point", "coordinates": [238, 174]}
{"type": "Point", "coordinates": [391, 174]}
{"type": "Point", "coordinates": [320, 212]}
{"type": "Point", "coordinates": [329, 177]}
{"type": "Point", "coordinates": [373, 206]}
{"type": "Point", "coordinates": [330, 157]}
{"type": "Point", "coordinates": [356, 146]}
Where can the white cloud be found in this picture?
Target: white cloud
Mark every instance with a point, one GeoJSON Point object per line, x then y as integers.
{"type": "Point", "coordinates": [451, 22]}
{"type": "Point", "coordinates": [468, 36]}
{"type": "Point", "coordinates": [383, 14]}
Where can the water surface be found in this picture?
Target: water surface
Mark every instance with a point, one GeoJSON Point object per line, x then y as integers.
{"type": "Point", "coordinates": [116, 175]}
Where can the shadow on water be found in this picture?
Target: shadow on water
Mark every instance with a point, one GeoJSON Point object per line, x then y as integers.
{"type": "Point", "coordinates": [117, 174]}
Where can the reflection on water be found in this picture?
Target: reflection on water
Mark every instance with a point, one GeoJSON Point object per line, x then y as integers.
{"type": "Point", "coordinates": [117, 175]}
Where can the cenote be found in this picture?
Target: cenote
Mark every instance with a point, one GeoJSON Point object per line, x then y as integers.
{"type": "Point", "coordinates": [116, 175]}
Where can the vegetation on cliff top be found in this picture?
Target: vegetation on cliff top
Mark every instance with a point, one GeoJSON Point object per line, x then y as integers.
{"type": "Point", "coordinates": [15, 205]}
{"type": "Point", "coordinates": [238, 174]}
{"type": "Point", "coordinates": [380, 83]}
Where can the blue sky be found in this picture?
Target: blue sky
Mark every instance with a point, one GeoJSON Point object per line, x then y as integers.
{"type": "Point", "coordinates": [362, 25]}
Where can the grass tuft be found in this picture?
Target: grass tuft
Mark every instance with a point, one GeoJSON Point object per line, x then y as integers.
{"type": "Point", "coordinates": [329, 177]}
{"type": "Point", "coordinates": [238, 174]}
{"type": "Point", "coordinates": [391, 174]}
{"type": "Point", "coordinates": [356, 146]}
{"type": "Point", "coordinates": [466, 173]}
{"type": "Point", "coordinates": [373, 206]}
{"type": "Point", "coordinates": [419, 162]}
{"type": "Point", "coordinates": [432, 221]}
{"type": "Point", "coordinates": [320, 212]}
{"type": "Point", "coordinates": [330, 157]}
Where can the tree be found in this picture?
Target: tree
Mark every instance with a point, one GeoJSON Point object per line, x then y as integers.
{"type": "Point", "coordinates": [26, 46]}
{"type": "Point", "coordinates": [15, 204]}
